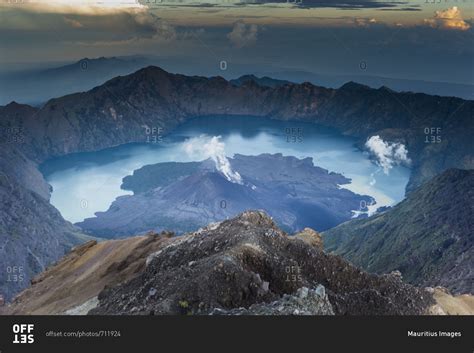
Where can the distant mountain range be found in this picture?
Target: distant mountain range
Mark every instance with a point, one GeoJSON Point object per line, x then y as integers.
{"type": "Point", "coordinates": [125, 108]}
{"type": "Point", "coordinates": [120, 111]}
{"type": "Point", "coordinates": [428, 237]}
{"type": "Point", "coordinates": [37, 86]}
{"type": "Point", "coordinates": [260, 81]}
{"type": "Point", "coordinates": [461, 90]}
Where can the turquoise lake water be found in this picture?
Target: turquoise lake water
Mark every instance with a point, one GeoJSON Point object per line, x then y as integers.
{"type": "Point", "coordinates": [89, 182]}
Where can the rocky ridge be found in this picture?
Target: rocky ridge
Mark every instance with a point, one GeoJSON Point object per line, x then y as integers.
{"type": "Point", "coordinates": [247, 262]}
{"type": "Point", "coordinates": [428, 237]}
{"type": "Point", "coordinates": [104, 276]}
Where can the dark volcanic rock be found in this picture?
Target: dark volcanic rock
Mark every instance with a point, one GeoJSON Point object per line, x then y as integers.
{"type": "Point", "coordinates": [32, 232]}
{"type": "Point", "coordinates": [248, 260]}
{"type": "Point", "coordinates": [158, 175]}
{"type": "Point", "coordinates": [185, 196]}
{"type": "Point", "coordinates": [428, 237]}
{"type": "Point", "coordinates": [304, 302]}
{"type": "Point", "coordinates": [32, 236]}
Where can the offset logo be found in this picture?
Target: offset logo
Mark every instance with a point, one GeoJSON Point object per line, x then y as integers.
{"type": "Point", "coordinates": [23, 333]}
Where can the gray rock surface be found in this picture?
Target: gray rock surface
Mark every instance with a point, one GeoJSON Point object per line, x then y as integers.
{"type": "Point", "coordinates": [32, 236]}
{"type": "Point", "coordinates": [304, 302]}
{"type": "Point", "coordinates": [249, 261]}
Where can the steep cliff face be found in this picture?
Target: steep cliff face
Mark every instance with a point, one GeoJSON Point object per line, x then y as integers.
{"type": "Point", "coordinates": [32, 236]}
{"type": "Point", "coordinates": [428, 237]}
{"type": "Point", "coordinates": [32, 232]}
{"type": "Point", "coordinates": [16, 168]}
{"type": "Point", "coordinates": [249, 260]}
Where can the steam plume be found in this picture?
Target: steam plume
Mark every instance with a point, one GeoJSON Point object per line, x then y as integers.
{"type": "Point", "coordinates": [212, 147]}
{"type": "Point", "coordinates": [387, 154]}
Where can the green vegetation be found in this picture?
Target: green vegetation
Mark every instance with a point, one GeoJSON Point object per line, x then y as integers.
{"type": "Point", "coordinates": [428, 237]}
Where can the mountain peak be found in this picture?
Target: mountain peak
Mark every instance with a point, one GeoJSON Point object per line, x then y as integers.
{"type": "Point", "coordinates": [255, 251]}
{"type": "Point", "coordinates": [152, 69]}
{"type": "Point", "coordinates": [352, 85]}
{"type": "Point", "coordinates": [264, 81]}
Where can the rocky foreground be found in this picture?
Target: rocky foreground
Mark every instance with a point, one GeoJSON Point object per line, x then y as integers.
{"type": "Point", "coordinates": [249, 260]}
{"type": "Point", "coordinates": [242, 266]}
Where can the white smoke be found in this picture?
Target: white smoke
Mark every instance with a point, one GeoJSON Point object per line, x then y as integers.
{"type": "Point", "coordinates": [387, 154]}
{"type": "Point", "coordinates": [204, 147]}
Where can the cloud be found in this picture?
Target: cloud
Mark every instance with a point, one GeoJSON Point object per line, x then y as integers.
{"type": "Point", "coordinates": [364, 22]}
{"type": "Point", "coordinates": [343, 4]}
{"type": "Point", "coordinates": [243, 34]}
{"type": "Point", "coordinates": [159, 29]}
{"type": "Point", "coordinates": [89, 25]}
{"type": "Point", "coordinates": [212, 147]}
{"type": "Point", "coordinates": [387, 154]}
{"type": "Point", "coordinates": [80, 6]}
{"type": "Point", "coordinates": [73, 23]}
{"type": "Point", "coordinates": [448, 19]}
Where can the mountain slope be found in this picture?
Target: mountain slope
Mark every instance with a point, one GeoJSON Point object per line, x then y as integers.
{"type": "Point", "coordinates": [32, 236]}
{"type": "Point", "coordinates": [428, 237]}
{"type": "Point", "coordinates": [248, 260]}
{"type": "Point", "coordinates": [33, 233]}
{"type": "Point", "coordinates": [80, 275]}
{"type": "Point", "coordinates": [185, 196]}
{"type": "Point", "coordinates": [39, 86]}
{"type": "Point", "coordinates": [302, 280]}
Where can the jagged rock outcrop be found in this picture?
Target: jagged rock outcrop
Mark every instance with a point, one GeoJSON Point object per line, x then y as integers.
{"type": "Point", "coordinates": [311, 237]}
{"type": "Point", "coordinates": [428, 237]}
{"type": "Point", "coordinates": [304, 302]}
{"type": "Point", "coordinates": [249, 261]}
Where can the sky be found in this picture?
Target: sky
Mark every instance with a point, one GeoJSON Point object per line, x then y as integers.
{"type": "Point", "coordinates": [418, 39]}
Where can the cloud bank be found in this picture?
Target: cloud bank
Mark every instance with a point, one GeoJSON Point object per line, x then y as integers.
{"type": "Point", "coordinates": [450, 18]}
{"type": "Point", "coordinates": [387, 154]}
{"type": "Point", "coordinates": [204, 147]}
